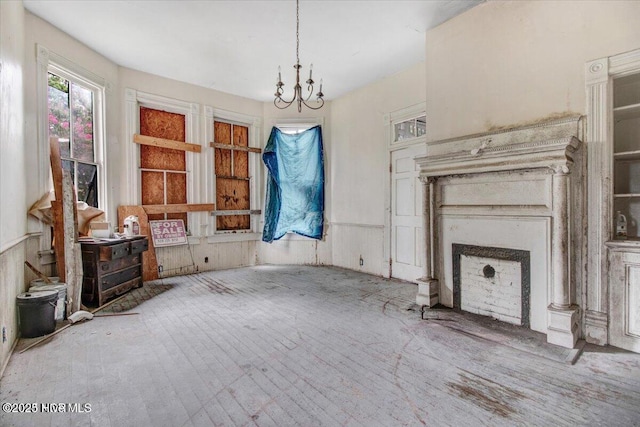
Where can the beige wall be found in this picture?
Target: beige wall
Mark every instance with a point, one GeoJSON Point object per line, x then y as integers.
{"type": "Point", "coordinates": [118, 78]}
{"type": "Point", "coordinates": [188, 259]}
{"type": "Point", "coordinates": [505, 63]}
{"type": "Point", "coordinates": [12, 173]}
{"type": "Point", "coordinates": [187, 92]}
{"type": "Point", "coordinates": [359, 155]}
{"type": "Point", "coordinates": [359, 170]}
{"type": "Point", "coordinates": [38, 31]}
{"type": "Point", "coordinates": [12, 140]}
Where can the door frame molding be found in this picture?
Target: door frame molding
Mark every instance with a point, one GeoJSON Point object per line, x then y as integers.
{"type": "Point", "coordinates": [390, 119]}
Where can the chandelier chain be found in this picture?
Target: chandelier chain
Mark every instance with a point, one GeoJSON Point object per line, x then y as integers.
{"type": "Point", "coordinates": [298, 98]}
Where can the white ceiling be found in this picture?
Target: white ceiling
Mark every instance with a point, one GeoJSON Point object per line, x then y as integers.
{"type": "Point", "coordinates": [236, 46]}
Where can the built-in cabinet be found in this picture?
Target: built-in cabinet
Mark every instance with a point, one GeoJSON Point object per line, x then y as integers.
{"type": "Point", "coordinates": [624, 249]}
{"type": "Point", "coordinates": [626, 156]}
{"type": "Point", "coordinates": [612, 294]}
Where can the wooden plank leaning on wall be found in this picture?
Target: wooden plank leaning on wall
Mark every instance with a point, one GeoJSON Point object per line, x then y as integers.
{"type": "Point", "coordinates": [149, 260]}
{"type": "Point", "coordinates": [65, 228]}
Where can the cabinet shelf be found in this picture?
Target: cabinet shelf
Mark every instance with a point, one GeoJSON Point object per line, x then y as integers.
{"type": "Point", "coordinates": [626, 195]}
{"type": "Point", "coordinates": [627, 155]}
{"type": "Point", "coordinates": [627, 112]}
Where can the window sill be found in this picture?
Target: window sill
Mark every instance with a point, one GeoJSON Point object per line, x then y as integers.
{"type": "Point", "coordinates": [233, 237]}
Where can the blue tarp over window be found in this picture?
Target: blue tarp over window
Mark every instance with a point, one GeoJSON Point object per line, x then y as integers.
{"type": "Point", "coordinates": [295, 186]}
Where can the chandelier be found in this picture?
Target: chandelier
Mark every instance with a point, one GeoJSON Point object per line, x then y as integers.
{"type": "Point", "coordinates": [297, 89]}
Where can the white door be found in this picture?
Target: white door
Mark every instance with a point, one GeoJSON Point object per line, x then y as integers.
{"type": "Point", "coordinates": [406, 214]}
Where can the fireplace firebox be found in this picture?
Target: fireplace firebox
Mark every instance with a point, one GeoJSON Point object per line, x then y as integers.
{"type": "Point", "coordinates": [492, 281]}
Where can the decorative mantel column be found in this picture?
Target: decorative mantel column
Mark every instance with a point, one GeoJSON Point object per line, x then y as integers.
{"type": "Point", "coordinates": [428, 288]}
{"type": "Point", "coordinates": [559, 237]}
{"type": "Point", "coordinates": [562, 316]}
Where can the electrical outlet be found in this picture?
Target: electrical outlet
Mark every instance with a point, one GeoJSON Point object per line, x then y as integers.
{"type": "Point", "coordinates": [206, 259]}
{"type": "Point", "coordinates": [160, 268]}
{"type": "Point", "coordinates": [361, 261]}
{"type": "Point", "coordinates": [4, 334]}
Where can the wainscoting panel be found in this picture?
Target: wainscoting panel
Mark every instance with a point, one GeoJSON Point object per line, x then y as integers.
{"type": "Point", "coordinates": [353, 242]}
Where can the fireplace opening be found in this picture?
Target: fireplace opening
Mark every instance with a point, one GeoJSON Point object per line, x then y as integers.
{"type": "Point", "coordinates": [492, 281]}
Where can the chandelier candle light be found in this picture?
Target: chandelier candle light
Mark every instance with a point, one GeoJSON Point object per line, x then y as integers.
{"type": "Point", "coordinates": [297, 89]}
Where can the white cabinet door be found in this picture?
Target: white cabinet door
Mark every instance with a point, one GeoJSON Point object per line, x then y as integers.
{"type": "Point", "coordinates": [624, 285]}
{"type": "Point", "coordinates": [406, 214]}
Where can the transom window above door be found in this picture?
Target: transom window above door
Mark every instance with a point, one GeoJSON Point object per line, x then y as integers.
{"type": "Point", "coordinates": [409, 129]}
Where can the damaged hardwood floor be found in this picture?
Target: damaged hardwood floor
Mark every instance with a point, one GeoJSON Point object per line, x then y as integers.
{"type": "Point", "coordinates": [307, 346]}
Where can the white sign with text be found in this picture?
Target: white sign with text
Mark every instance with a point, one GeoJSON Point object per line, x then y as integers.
{"type": "Point", "coordinates": [169, 232]}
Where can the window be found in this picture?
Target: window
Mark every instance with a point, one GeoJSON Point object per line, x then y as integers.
{"type": "Point", "coordinates": [72, 118]}
{"type": "Point", "coordinates": [155, 173]}
{"type": "Point", "coordinates": [163, 171]}
{"type": "Point", "coordinates": [233, 175]}
{"type": "Point", "coordinates": [294, 129]}
{"type": "Point", "coordinates": [69, 95]}
{"type": "Point", "coordinates": [231, 165]}
{"type": "Point", "coordinates": [408, 129]}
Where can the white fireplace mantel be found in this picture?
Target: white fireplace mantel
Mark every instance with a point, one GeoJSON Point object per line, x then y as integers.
{"type": "Point", "coordinates": [543, 150]}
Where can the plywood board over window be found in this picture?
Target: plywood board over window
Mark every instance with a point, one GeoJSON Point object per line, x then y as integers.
{"type": "Point", "coordinates": [231, 144]}
{"type": "Point", "coordinates": [163, 170]}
